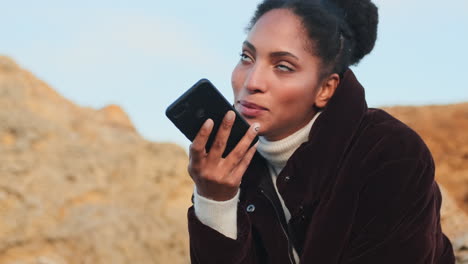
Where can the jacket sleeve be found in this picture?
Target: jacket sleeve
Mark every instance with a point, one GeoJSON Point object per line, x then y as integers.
{"type": "Point", "coordinates": [392, 218]}
{"type": "Point", "coordinates": [398, 217]}
{"type": "Point", "coordinates": [209, 246]}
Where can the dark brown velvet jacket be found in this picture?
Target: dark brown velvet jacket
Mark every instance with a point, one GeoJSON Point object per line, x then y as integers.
{"type": "Point", "coordinates": [361, 190]}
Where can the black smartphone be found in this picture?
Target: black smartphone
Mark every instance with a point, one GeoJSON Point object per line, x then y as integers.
{"type": "Point", "coordinates": [196, 105]}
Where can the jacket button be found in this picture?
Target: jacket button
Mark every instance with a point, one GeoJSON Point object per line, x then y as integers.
{"type": "Point", "coordinates": [250, 208]}
{"type": "Point", "coordinates": [287, 179]}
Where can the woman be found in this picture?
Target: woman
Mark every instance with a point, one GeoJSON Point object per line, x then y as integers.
{"type": "Point", "coordinates": [330, 181]}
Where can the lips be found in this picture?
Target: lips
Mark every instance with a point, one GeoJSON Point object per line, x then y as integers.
{"type": "Point", "coordinates": [251, 110]}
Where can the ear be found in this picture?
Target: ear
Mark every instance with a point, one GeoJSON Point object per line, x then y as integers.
{"type": "Point", "coordinates": [326, 90]}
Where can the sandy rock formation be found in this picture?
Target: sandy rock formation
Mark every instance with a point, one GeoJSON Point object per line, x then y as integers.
{"type": "Point", "coordinates": [455, 226]}
{"type": "Point", "coordinates": [79, 185]}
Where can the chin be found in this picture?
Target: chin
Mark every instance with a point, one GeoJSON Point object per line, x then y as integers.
{"type": "Point", "coordinates": [250, 120]}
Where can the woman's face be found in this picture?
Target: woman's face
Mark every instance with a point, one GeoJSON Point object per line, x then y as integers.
{"type": "Point", "coordinates": [276, 80]}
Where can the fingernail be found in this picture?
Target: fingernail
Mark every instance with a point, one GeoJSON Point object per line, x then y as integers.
{"type": "Point", "coordinates": [230, 115]}
{"type": "Point", "coordinates": [256, 127]}
{"type": "Point", "coordinates": [207, 123]}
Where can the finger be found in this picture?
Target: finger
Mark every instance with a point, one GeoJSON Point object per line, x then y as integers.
{"type": "Point", "coordinates": [219, 143]}
{"type": "Point", "coordinates": [242, 166]}
{"type": "Point", "coordinates": [242, 147]}
{"type": "Point", "coordinates": [197, 148]}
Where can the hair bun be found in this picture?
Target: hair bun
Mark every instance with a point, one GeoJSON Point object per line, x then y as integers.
{"type": "Point", "coordinates": [362, 18]}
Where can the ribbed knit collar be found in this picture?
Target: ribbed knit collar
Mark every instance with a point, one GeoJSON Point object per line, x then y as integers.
{"type": "Point", "coordinates": [278, 152]}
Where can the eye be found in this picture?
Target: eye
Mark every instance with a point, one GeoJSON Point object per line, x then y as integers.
{"type": "Point", "coordinates": [284, 68]}
{"type": "Point", "coordinates": [245, 58]}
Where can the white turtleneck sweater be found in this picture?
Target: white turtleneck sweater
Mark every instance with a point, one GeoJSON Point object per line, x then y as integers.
{"type": "Point", "coordinates": [222, 216]}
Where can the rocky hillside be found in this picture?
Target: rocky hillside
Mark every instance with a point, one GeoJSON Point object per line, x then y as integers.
{"type": "Point", "coordinates": [79, 185]}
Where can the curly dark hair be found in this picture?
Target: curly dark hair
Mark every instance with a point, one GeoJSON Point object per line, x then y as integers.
{"type": "Point", "coordinates": [341, 32]}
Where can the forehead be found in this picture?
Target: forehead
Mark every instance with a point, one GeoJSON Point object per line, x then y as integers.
{"type": "Point", "coordinates": [279, 29]}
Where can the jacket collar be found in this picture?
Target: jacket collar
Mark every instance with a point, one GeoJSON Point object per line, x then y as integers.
{"type": "Point", "coordinates": [335, 127]}
{"type": "Point", "coordinates": [330, 135]}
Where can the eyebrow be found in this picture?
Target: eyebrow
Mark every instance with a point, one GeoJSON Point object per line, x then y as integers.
{"type": "Point", "coordinates": [273, 54]}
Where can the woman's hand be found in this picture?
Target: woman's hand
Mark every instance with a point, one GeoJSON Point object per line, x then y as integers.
{"type": "Point", "coordinates": [219, 178]}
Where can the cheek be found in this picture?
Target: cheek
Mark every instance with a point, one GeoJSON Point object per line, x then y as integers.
{"type": "Point", "coordinates": [297, 99]}
{"type": "Point", "coordinates": [291, 96]}
{"type": "Point", "coordinates": [236, 80]}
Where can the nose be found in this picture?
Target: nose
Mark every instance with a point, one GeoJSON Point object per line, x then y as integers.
{"type": "Point", "coordinates": [255, 81]}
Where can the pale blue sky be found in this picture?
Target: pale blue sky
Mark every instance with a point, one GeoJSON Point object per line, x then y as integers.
{"type": "Point", "coordinates": [142, 54]}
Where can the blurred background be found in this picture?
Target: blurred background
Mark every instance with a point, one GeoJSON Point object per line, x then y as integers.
{"type": "Point", "coordinates": [91, 170]}
{"type": "Point", "coordinates": [142, 55]}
